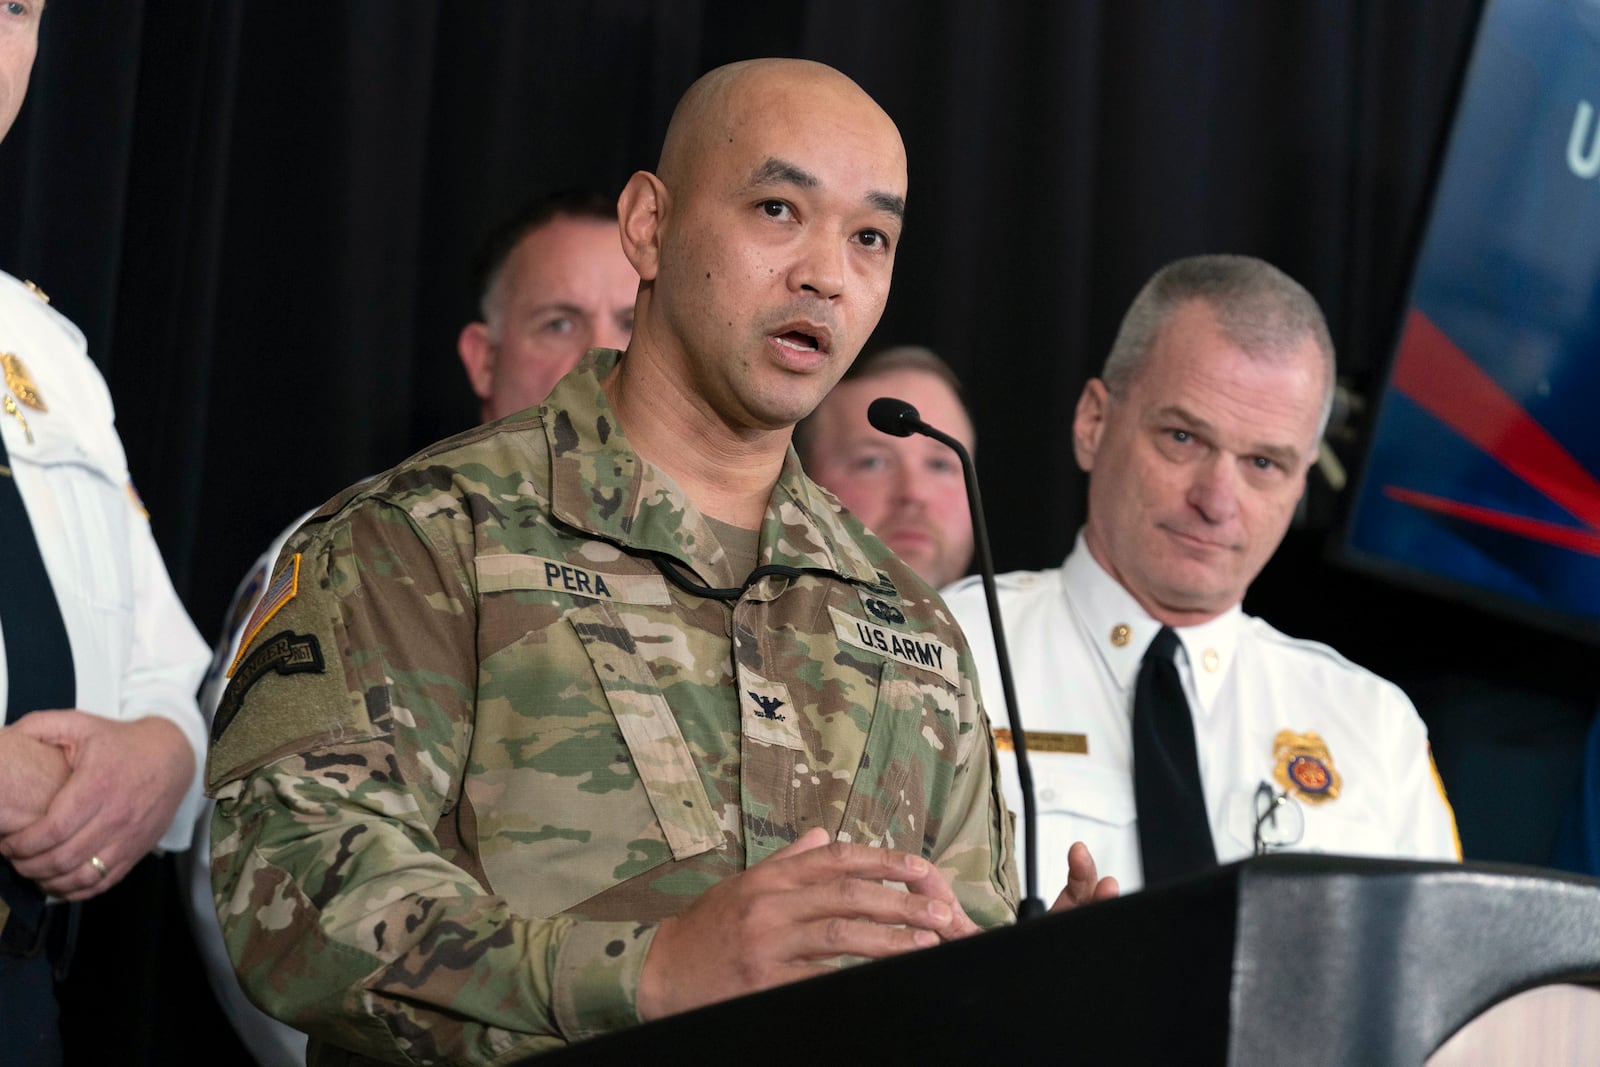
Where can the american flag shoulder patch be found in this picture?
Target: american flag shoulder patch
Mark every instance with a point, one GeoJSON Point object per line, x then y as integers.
{"type": "Point", "coordinates": [282, 589]}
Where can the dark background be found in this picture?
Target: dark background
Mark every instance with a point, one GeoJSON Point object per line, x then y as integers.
{"type": "Point", "coordinates": [261, 215]}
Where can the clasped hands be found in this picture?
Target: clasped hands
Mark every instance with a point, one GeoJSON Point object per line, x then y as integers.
{"type": "Point", "coordinates": [77, 788]}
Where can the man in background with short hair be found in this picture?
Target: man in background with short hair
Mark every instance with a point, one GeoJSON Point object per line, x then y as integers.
{"type": "Point", "coordinates": [907, 490]}
{"type": "Point", "coordinates": [552, 283]}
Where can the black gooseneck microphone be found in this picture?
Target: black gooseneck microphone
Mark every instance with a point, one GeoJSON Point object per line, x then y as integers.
{"type": "Point", "coordinates": [899, 419]}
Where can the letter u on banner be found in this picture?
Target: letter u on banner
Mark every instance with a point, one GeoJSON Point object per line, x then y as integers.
{"type": "Point", "coordinates": [1585, 164]}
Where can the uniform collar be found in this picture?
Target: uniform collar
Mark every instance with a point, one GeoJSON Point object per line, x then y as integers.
{"type": "Point", "coordinates": [598, 484]}
{"type": "Point", "coordinates": [1120, 630]}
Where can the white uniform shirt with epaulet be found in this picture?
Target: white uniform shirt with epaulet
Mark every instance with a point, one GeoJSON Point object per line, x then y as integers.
{"type": "Point", "coordinates": [1275, 717]}
{"type": "Point", "coordinates": [134, 650]}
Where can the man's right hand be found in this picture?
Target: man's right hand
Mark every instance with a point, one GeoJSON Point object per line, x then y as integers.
{"type": "Point", "coordinates": [780, 920]}
{"type": "Point", "coordinates": [1084, 884]}
{"type": "Point", "coordinates": [31, 773]}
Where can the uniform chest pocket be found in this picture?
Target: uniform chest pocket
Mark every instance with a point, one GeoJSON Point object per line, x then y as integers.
{"type": "Point", "coordinates": [661, 757]}
{"type": "Point", "coordinates": [1346, 828]}
{"type": "Point", "coordinates": [1068, 784]}
{"type": "Point", "coordinates": [581, 777]}
{"type": "Point", "coordinates": [907, 762]}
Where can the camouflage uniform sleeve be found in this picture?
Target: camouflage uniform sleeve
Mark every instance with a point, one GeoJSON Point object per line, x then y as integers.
{"type": "Point", "coordinates": [348, 906]}
{"type": "Point", "coordinates": [975, 847]}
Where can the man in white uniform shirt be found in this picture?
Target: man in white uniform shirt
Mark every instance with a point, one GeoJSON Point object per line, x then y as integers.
{"type": "Point", "coordinates": [1197, 439]}
{"type": "Point", "coordinates": [102, 743]}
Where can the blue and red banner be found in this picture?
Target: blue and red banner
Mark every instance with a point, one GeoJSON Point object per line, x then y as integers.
{"type": "Point", "coordinates": [1483, 474]}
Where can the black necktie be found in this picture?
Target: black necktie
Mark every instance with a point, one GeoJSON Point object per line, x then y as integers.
{"type": "Point", "coordinates": [38, 670]}
{"type": "Point", "coordinates": [1174, 834]}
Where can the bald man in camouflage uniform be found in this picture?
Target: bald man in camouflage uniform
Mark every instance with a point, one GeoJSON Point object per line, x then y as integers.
{"type": "Point", "coordinates": [605, 711]}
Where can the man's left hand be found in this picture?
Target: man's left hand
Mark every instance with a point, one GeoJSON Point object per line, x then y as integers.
{"type": "Point", "coordinates": [126, 782]}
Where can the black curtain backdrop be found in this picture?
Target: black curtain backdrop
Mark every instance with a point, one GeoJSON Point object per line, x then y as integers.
{"type": "Point", "coordinates": [263, 220]}
{"type": "Point", "coordinates": [261, 215]}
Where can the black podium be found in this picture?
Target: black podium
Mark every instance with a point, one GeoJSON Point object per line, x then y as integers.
{"type": "Point", "coordinates": [1278, 960]}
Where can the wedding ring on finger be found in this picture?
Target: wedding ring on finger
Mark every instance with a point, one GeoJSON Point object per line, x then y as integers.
{"type": "Point", "coordinates": [99, 865]}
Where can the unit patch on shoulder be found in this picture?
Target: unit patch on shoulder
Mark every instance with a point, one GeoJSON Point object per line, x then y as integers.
{"type": "Point", "coordinates": [914, 650]}
{"type": "Point", "coordinates": [283, 653]}
{"type": "Point", "coordinates": [1304, 767]}
{"type": "Point", "coordinates": [285, 584]}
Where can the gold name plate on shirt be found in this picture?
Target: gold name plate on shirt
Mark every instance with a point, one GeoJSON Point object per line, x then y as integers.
{"type": "Point", "coordinates": [1040, 741]}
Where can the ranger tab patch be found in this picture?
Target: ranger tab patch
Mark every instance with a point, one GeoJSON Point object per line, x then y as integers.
{"type": "Point", "coordinates": [284, 653]}
{"type": "Point", "coordinates": [914, 650]}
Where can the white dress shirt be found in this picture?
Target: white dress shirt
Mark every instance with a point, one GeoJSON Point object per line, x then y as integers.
{"type": "Point", "coordinates": [134, 650]}
{"type": "Point", "coordinates": [1076, 639]}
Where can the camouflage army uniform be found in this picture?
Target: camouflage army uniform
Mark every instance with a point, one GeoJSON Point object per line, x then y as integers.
{"type": "Point", "coordinates": [486, 745]}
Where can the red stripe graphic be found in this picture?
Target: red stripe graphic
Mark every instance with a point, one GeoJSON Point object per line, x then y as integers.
{"type": "Point", "coordinates": [1434, 372]}
{"type": "Point", "coordinates": [1533, 529]}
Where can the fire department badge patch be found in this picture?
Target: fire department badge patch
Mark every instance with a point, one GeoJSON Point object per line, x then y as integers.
{"type": "Point", "coordinates": [1304, 767]}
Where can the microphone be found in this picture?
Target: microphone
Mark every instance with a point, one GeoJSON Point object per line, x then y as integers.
{"type": "Point", "coordinates": [899, 419]}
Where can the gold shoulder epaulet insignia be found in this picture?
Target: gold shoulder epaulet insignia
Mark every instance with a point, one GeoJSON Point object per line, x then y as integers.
{"type": "Point", "coordinates": [20, 382]}
{"type": "Point", "coordinates": [16, 413]}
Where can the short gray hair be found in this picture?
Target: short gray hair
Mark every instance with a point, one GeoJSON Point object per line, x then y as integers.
{"type": "Point", "coordinates": [1258, 307]}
